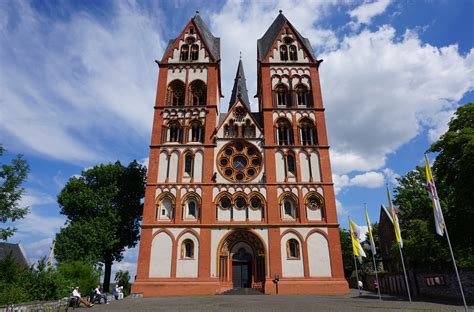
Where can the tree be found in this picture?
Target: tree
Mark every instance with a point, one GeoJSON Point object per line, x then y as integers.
{"type": "Point", "coordinates": [122, 278]}
{"type": "Point", "coordinates": [104, 209]}
{"type": "Point", "coordinates": [454, 171]}
{"type": "Point", "coordinates": [347, 255]}
{"type": "Point", "coordinates": [11, 178]}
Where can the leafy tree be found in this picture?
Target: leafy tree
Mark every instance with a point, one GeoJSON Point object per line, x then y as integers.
{"type": "Point", "coordinates": [11, 178]}
{"type": "Point", "coordinates": [104, 210]}
{"type": "Point", "coordinates": [454, 171]}
{"type": "Point", "coordinates": [347, 255]}
{"type": "Point", "coordinates": [122, 278]}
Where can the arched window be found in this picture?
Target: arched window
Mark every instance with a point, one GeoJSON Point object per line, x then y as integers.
{"type": "Point", "coordinates": [292, 249]}
{"type": "Point", "coordinates": [284, 132]}
{"type": "Point", "coordinates": [288, 206]}
{"type": "Point", "coordinates": [197, 132]}
{"type": "Point", "coordinates": [249, 129]}
{"type": "Point", "coordinates": [194, 52]}
{"type": "Point", "coordinates": [231, 130]}
{"type": "Point", "coordinates": [197, 93]}
{"type": "Point", "coordinates": [225, 202]}
{"type": "Point", "coordinates": [189, 165]}
{"type": "Point", "coordinates": [174, 129]}
{"type": "Point", "coordinates": [164, 208]}
{"type": "Point", "coordinates": [183, 56]}
{"type": "Point", "coordinates": [187, 249]}
{"type": "Point", "coordinates": [302, 96]}
{"type": "Point", "coordinates": [175, 93]}
{"type": "Point", "coordinates": [307, 132]}
{"type": "Point", "coordinates": [293, 53]}
{"type": "Point", "coordinates": [192, 209]}
{"type": "Point", "coordinates": [283, 53]}
{"type": "Point", "coordinates": [282, 96]}
{"type": "Point", "coordinates": [290, 164]}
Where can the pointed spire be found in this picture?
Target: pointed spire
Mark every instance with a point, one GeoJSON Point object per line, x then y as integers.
{"type": "Point", "coordinates": [239, 91]}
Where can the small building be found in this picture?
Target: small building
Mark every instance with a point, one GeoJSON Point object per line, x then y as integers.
{"type": "Point", "coordinates": [16, 251]}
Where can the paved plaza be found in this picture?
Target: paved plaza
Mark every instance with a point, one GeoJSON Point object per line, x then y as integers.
{"type": "Point", "coordinates": [352, 302]}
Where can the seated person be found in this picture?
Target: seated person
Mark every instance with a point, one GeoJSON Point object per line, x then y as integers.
{"type": "Point", "coordinates": [76, 294]}
{"type": "Point", "coordinates": [100, 295]}
{"type": "Point", "coordinates": [115, 292]}
{"type": "Point", "coordinates": [120, 294]}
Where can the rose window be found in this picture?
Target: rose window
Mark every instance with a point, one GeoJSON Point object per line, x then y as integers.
{"type": "Point", "coordinates": [239, 161]}
{"type": "Point", "coordinates": [315, 202]}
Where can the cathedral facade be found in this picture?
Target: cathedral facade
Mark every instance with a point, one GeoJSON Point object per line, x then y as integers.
{"type": "Point", "coordinates": [239, 199]}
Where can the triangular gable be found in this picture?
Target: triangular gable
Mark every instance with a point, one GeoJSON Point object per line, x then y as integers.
{"type": "Point", "coordinates": [210, 43]}
{"type": "Point", "coordinates": [268, 41]}
{"type": "Point", "coordinates": [230, 114]}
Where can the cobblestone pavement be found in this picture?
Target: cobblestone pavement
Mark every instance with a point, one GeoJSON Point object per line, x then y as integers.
{"type": "Point", "coordinates": [299, 303]}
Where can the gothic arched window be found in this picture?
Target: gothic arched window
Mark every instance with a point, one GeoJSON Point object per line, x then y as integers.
{"type": "Point", "coordinates": [164, 208]}
{"type": "Point", "coordinates": [248, 129]}
{"type": "Point", "coordinates": [189, 164]}
{"type": "Point", "coordinates": [292, 249]}
{"type": "Point", "coordinates": [197, 93]}
{"type": "Point", "coordinates": [302, 96]}
{"type": "Point", "coordinates": [284, 132]}
{"type": "Point", "coordinates": [293, 53]}
{"type": "Point", "coordinates": [282, 95]}
{"type": "Point", "coordinates": [184, 54]}
{"type": "Point", "coordinates": [197, 132]}
{"type": "Point", "coordinates": [187, 249]}
{"type": "Point", "coordinates": [290, 164]}
{"type": "Point", "coordinates": [192, 209]}
{"type": "Point", "coordinates": [194, 52]}
{"type": "Point", "coordinates": [174, 129]}
{"type": "Point", "coordinates": [307, 132]}
{"type": "Point", "coordinates": [283, 53]}
{"type": "Point", "coordinates": [175, 93]}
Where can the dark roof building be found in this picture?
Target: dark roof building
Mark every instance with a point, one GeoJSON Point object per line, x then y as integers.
{"type": "Point", "coordinates": [16, 250]}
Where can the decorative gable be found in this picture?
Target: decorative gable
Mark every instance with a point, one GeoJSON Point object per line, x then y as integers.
{"type": "Point", "coordinates": [239, 123]}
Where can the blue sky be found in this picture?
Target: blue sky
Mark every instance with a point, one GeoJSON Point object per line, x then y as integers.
{"type": "Point", "coordinates": [78, 79]}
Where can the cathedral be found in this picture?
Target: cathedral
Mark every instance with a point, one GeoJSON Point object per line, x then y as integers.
{"type": "Point", "coordinates": [239, 199]}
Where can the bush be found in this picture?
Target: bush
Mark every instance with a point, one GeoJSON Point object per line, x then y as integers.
{"type": "Point", "coordinates": [77, 273]}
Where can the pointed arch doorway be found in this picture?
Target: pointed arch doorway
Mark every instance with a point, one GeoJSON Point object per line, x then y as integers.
{"type": "Point", "coordinates": [242, 260]}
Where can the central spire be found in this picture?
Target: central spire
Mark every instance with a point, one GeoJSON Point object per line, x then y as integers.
{"type": "Point", "coordinates": [239, 91]}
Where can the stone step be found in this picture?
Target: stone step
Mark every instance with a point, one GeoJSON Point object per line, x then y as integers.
{"type": "Point", "coordinates": [242, 291]}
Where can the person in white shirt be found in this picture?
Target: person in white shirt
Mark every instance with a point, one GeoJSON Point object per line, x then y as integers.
{"type": "Point", "coordinates": [77, 295]}
{"type": "Point", "coordinates": [101, 295]}
{"type": "Point", "coordinates": [120, 292]}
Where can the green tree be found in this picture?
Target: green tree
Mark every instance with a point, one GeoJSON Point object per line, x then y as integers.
{"type": "Point", "coordinates": [122, 278]}
{"type": "Point", "coordinates": [104, 210]}
{"type": "Point", "coordinates": [453, 171]}
{"type": "Point", "coordinates": [11, 178]}
{"type": "Point", "coordinates": [347, 255]}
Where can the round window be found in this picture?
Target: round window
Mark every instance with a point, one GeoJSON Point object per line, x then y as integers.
{"type": "Point", "coordinates": [239, 161]}
{"type": "Point", "coordinates": [255, 203]}
{"type": "Point", "coordinates": [240, 202]}
{"type": "Point", "coordinates": [314, 202]}
{"type": "Point", "coordinates": [225, 203]}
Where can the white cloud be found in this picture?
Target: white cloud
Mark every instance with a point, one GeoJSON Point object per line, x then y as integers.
{"type": "Point", "coordinates": [341, 212]}
{"type": "Point", "coordinates": [38, 249]}
{"type": "Point", "coordinates": [69, 86]}
{"type": "Point", "coordinates": [391, 176]}
{"type": "Point", "coordinates": [369, 179]}
{"type": "Point", "coordinates": [368, 10]}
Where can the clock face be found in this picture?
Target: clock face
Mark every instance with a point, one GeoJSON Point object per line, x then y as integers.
{"type": "Point", "coordinates": [239, 162]}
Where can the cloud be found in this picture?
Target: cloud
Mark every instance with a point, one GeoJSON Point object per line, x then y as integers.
{"type": "Point", "coordinates": [370, 179]}
{"type": "Point", "coordinates": [364, 13]}
{"type": "Point", "coordinates": [341, 212]}
{"type": "Point", "coordinates": [391, 176]}
{"type": "Point", "coordinates": [69, 85]}
{"type": "Point", "coordinates": [381, 91]}
{"type": "Point", "coordinates": [38, 249]}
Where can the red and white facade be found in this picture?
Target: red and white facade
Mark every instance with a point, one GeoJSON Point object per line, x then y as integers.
{"type": "Point", "coordinates": [237, 199]}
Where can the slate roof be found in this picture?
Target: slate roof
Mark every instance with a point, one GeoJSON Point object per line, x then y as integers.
{"type": "Point", "coordinates": [239, 91]}
{"type": "Point", "coordinates": [17, 252]}
{"type": "Point", "coordinates": [212, 43]}
{"type": "Point", "coordinates": [265, 43]}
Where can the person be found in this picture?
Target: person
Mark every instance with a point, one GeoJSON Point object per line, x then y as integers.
{"type": "Point", "coordinates": [360, 285]}
{"type": "Point", "coordinates": [100, 295]}
{"type": "Point", "coordinates": [120, 294]}
{"type": "Point", "coordinates": [76, 294]}
{"type": "Point", "coordinates": [115, 292]}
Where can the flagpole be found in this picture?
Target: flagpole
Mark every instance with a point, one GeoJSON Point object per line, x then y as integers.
{"type": "Point", "coordinates": [355, 262]}
{"type": "Point", "coordinates": [405, 272]}
{"type": "Point", "coordinates": [373, 256]}
{"type": "Point", "coordinates": [455, 267]}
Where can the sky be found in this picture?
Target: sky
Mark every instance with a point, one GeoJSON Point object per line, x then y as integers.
{"type": "Point", "coordinates": [78, 81]}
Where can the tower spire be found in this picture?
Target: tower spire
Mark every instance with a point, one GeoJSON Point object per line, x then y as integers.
{"type": "Point", "coordinates": [239, 91]}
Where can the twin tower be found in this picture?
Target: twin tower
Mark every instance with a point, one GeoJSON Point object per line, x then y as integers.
{"type": "Point", "coordinates": [239, 199]}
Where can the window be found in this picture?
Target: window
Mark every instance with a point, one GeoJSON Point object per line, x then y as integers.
{"type": "Point", "coordinates": [189, 165]}
{"type": "Point", "coordinates": [290, 164]}
{"type": "Point", "coordinates": [164, 209]}
{"type": "Point", "coordinates": [249, 129]}
{"type": "Point", "coordinates": [240, 202]}
{"type": "Point", "coordinates": [231, 130]}
{"type": "Point", "coordinates": [302, 96]}
{"type": "Point", "coordinates": [197, 131]}
{"type": "Point", "coordinates": [307, 132]}
{"type": "Point", "coordinates": [292, 249]}
{"type": "Point", "coordinates": [194, 52]}
{"type": "Point", "coordinates": [288, 203]}
{"type": "Point", "coordinates": [282, 95]}
{"type": "Point", "coordinates": [255, 203]}
{"type": "Point", "coordinates": [239, 161]}
{"type": "Point", "coordinates": [197, 93]}
{"type": "Point", "coordinates": [293, 53]}
{"type": "Point", "coordinates": [174, 132]}
{"type": "Point", "coordinates": [225, 202]}
{"type": "Point", "coordinates": [288, 207]}
{"type": "Point", "coordinates": [283, 53]}
{"type": "Point", "coordinates": [192, 209]}
{"type": "Point", "coordinates": [183, 56]}
{"type": "Point", "coordinates": [175, 93]}
{"type": "Point", "coordinates": [284, 132]}
{"type": "Point", "coordinates": [187, 249]}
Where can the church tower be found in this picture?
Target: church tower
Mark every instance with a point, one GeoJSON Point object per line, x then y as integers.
{"type": "Point", "coordinates": [239, 199]}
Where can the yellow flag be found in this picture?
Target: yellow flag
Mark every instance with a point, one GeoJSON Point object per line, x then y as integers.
{"type": "Point", "coordinates": [371, 237]}
{"type": "Point", "coordinates": [438, 213]}
{"type": "Point", "coordinates": [396, 224]}
{"type": "Point", "coordinates": [355, 236]}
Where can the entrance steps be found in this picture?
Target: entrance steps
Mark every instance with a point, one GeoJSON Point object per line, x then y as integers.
{"type": "Point", "coordinates": [242, 291]}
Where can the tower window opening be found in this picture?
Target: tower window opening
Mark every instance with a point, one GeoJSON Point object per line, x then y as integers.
{"type": "Point", "coordinates": [284, 132]}
{"type": "Point", "coordinates": [189, 164]}
{"type": "Point", "coordinates": [198, 93]}
{"type": "Point", "coordinates": [175, 93]}
{"type": "Point", "coordinates": [192, 209]}
{"type": "Point", "coordinates": [283, 53]}
{"type": "Point", "coordinates": [194, 52]}
{"type": "Point", "coordinates": [293, 53]}
{"type": "Point", "coordinates": [184, 55]}
{"type": "Point", "coordinates": [282, 96]}
{"type": "Point", "coordinates": [197, 132]}
{"type": "Point", "coordinates": [303, 97]}
{"type": "Point", "coordinates": [307, 133]}
{"type": "Point", "coordinates": [174, 132]}
{"type": "Point", "coordinates": [290, 164]}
